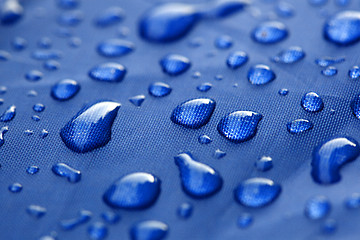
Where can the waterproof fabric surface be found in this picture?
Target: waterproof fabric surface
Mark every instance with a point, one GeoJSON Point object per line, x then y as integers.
{"type": "Point", "coordinates": [145, 139]}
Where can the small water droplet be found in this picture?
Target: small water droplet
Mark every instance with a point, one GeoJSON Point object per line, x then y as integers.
{"type": "Point", "coordinates": [285, 10]}
{"type": "Point", "coordinates": [193, 113]}
{"type": "Point", "coordinates": [32, 170]}
{"type": "Point", "coordinates": [36, 211]}
{"type": "Point", "coordinates": [299, 126]}
{"type": "Point", "coordinates": [39, 107]}
{"type": "Point", "coordinates": [353, 201]}
{"type": "Point", "coordinates": [174, 64]}
{"type": "Point", "coordinates": [108, 72]}
{"type": "Point", "coordinates": [219, 154]}
{"type": "Point", "coordinates": [44, 133]}
{"type": "Point", "coordinates": [43, 55]}
{"type": "Point", "coordinates": [354, 73]}
{"type": "Point", "coordinates": [15, 188]}
{"type": "Point", "coordinates": [19, 43]}
{"type": "Point", "coordinates": [329, 71]}
{"type": "Point", "coordinates": [63, 170]}
{"type": "Point", "coordinates": [32, 93]}
{"type": "Point", "coordinates": [3, 130]}
{"type": "Point", "coordinates": [97, 231]}
{"type": "Point", "coordinates": [196, 75]}
{"type": "Point", "coordinates": [327, 61]}
{"type": "Point", "coordinates": [283, 92]}
{"type": "Point", "coordinates": [44, 42]}
{"type": "Point", "coordinates": [185, 210]}
{"type": "Point", "coordinates": [11, 12]}
{"type": "Point", "coordinates": [36, 118]}
{"type": "Point", "coordinates": [244, 220]}
{"type": "Point", "coordinates": [317, 207]}
{"type": "Point", "coordinates": [264, 164]}
{"type": "Point", "coordinates": [110, 217]}
{"type": "Point", "coordinates": [237, 59]}
{"type": "Point", "coordinates": [137, 100]}
{"type": "Point", "coordinates": [68, 4]}
{"type": "Point", "coordinates": [9, 114]}
{"type": "Point", "coordinates": [115, 47]}
{"type": "Point", "coordinates": [123, 31]}
{"type": "Point", "coordinates": [29, 132]}
{"type": "Point", "coordinates": [197, 179]}
{"type": "Point", "coordinates": [204, 87]}
{"type": "Point", "coordinates": [330, 156]}
{"type": "Point", "coordinates": [204, 139]}
{"type": "Point", "coordinates": [219, 77]}
{"type": "Point", "coordinates": [239, 126]}
{"type": "Point", "coordinates": [65, 89]}
{"type": "Point", "coordinates": [34, 75]}
{"type": "Point", "coordinates": [257, 192]}
{"type": "Point", "coordinates": [260, 74]}
{"type": "Point", "coordinates": [270, 32]}
{"type": "Point", "coordinates": [224, 42]}
{"type": "Point", "coordinates": [71, 19]}
{"type": "Point", "coordinates": [51, 65]}
{"type": "Point", "coordinates": [134, 191]}
{"type": "Point", "coordinates": [109, 17]}
{"type": "Point", "coordinates": [312, 102]}
{"type": "Point", "coordinates": [159, 89]}
{"type": "Point", "coordinates": [290, 55]}
{"type": "Point", "coordinates": [69, 224]}
{"type": "Point", "coordinates": [329, 226]}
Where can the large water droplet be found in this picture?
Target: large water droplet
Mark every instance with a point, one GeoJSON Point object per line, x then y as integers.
{"type": "Point", "coordinates": [108, 72]}
{"type": "Point", "coordinates": [97, 231]}
{"type": "Point", "coordinates": [299, 125]}
{"type": "Point", "coordinates": [270, 32]}
{"type": "Point", "coordinates": [290, 55]}
{"type": "Point", "coordinates": [159, 89]}
{"type": "Point", "coordinates": [260, 74]}
{"type": "Point", "coordinates": [109, 17]}
{"type": "Point", "coordinates": [134, 191]}
{"type": "Point", "coordinates": [149, 230]}
{"type": "Point", "coordinates": [174, 64]}
{"type": "Point", "coordinates": [312, 102]}
{"type": "Point", "coordinates": [317, 207]}
{"type": "Point", "coordinates": [330, 156]}
{"type": "Point", "coordinates": [71, 19]}
{"type": "Point", "coordinates": [197, 179]}
{"type": "Point", "coordinates": [115, 47]}
{"type": "Point", "coordinates": [65, 89]}
{"type": "Point", "coordinates": [257, 192]}
{"type": "Point", "coordinates": [69, 224]}
{"type": "Point", "coordinates": [63, 170]}
{"type": "Point", "coordinates": [9, 114]}
{"type": "Point", "coordinates": [10, 12]}
{"type": "Point", "coordinates": [193, 113]}
{"type": "Point", "coordinates": [239, 126]}
{"type": "Point", "coordinates": [237, 59]}
{"type": "Point", "coordinates": [343, 28]}
{"type": "Point", "coordinates": [90, 128]}
{"type": "Point", "coordinates": [3, 130]}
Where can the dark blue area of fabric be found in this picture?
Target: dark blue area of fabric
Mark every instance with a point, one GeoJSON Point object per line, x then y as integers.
{"type": "Point", "coordinates": [145, 139]}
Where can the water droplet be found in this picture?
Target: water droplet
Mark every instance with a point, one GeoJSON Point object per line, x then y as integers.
{"type": "Point", "coordinates": [3, 90]}
{"type": "Point", "coordinates": [15, 188]}
{"type": "Point", "coordinates": [137, 100]}
{"type": "Point", "coordinates": [219, 77]}
{"type": "Point", "coordinates": [237, 59]}
{"type": "Point", "coordinates": [65, 89]}
{"type": "Point", "coordinates": [264, 164]}
{"type": "Point", "coordinates": [3, 130]}
{"type": "Point", "coordinates": [329, 226]}
{"type": "Point", "coordinates": [174, 64]}
{"type": "Point", "coordinates": [204, 87]}
{"type": "Point", "coordinates": [134, 191]}
{"type": "Point", "coordinates": [197, 179]}
{"type": "Point", "coordinates": [9, 114]}
{"type": "Point", "coordinates": [330, 156]}
{"type": "Point", "coordinates": [36, 118]}
{"type": "Point", "coordinates": [28, 132]}
{"type": "Point", "coordinates": [329, 71]}
{"type": "Point", "coordinates": [270, 32]}
{"type": "Point", "coordinates": [4, 56]}
{"type": "Point", "coordinates": [34, 75]}
{"type": "Point", "coordinates": [196, 42]}
{"type": "Point", "coordinates": [51, 65]}
{"type": "Point", "coordinates": [343, 28]}
{"type": "Point", "coordinates": [1, 101]}
{"type": "Point", "coordinates": [185, 210]}
{"type": "Point", "coordinates": [10, 12]}
{"type": "Point", "coordinates": [219, 154]}
{"type": "Point", "coordinates": [44, 42]}
{"type": "Point", "coordinates": [354, 73]}
{"type": "Point", "coordinates": [285, 10]}
{"type": "Point", "coordinates": [69, 224]}
{"type": "Point", "coordinates": [290, 55]}
{"type": "Point", "coordinates": [63, 32]}
{"type": "Point", "coordinates": [244, 220]}
{"type": "Point", "coordinates": [32, 170]}
{"type": "Point", "coordinates": [19, 43]}
{"type": "Point", "coordinates": [63, 170]}
{"type": "Point", "coordinates": [44, 133]}
{"type": "Point", "coordinates": [327, 61]}
{"type": "Point", "coordinates": [239, 126]}
{"type": "Point", "coordinates": [196, 75]}
{"type": "Point", "coordinates": [204, 139]}
{"type": "Point", "coordinates": [342, 3]}
{"type": "Point", "coordinates": [110, 16]}
{"type": "Point", "coordinates": [283, 92]}
{"type": "Point", "coordinates": [317, 207]}
{"type": "Point", "coordinates": [317, 3]}
{"type": "Point", "coordinates": [90, 128]}
{"type": "Point", "coordinates": [39, 107]}
{"type": "Point", "coordinates": [97, 231]}
{"type": "Point", "coordinates": [68, 4]}
{"type": "Point", "coordinates": [108, 72]}
{"type": "Point", "coordinates": [257, 192]}
{"type": "Point", "coordinates": [110, 217]}
{"type": "Point", "coordinates": [115, 47]}
{"type": "Point", "coordinates": [46, 55]}
{"type": "Point", "coordinates": [260, 74]}
{"type": "Point", "coordinates": [75, 42]}
{"type": "Point", "coordinates": [32, 93]}
{"type": "Point", "coordinates": [36, 211]}
{"type": "Point", "coordinates": [193, 113]}
{"type": "Point", "coordinates": [353, 201]}
{"type": "Point", "coordinates": [159, 89]}
{"type": "Point", "coordinates": [299, 126]}
{"type": "Point", "coordinates": [312, 102]}
{"type": "Point", "coordinates": [223, 42]}
{"type": "Point", "coordinates": [149, 230]}
{"type": "Point", "coordinates": [71, 19]}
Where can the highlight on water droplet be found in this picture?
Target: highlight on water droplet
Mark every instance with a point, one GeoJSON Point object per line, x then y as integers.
{"type": "Point", "coordinates": [317, 207]}
{"type": "Point", "coordinates": [115, 47]}
{"type": "Point", "coordinates": [97, 231]}
{"type": "Point", "coordinates": [283, 92]}
{"type": "Point", "coordinates": [15, 188]}
{"type": "Point", "coordinates": [237, 59]}
{"type": "Point", "coordinates": [204, 139]}
{"type": "Point", "coordinates": [264, 164]}
{"type": "Point", "coordinates": [299, 126]}
{"type": "Point", "coordinates": [270, 32]}
{"type": "Point", "coordinates": [184, 211]}
{"type": "Point", "coordinates": [108, 72]}
{"type": "Point", "coordinates": [63, 170]}
{"type": "Point", "coordinates": [3, 130]}
{"type": "Point", "coordinates": [312, 102]}
{"type": "Point", "coordinates": [260, 74]}
{"type": "Point", "coordinates": [159, 89]}
{"type": "Point", "coordinates": [9, 114]}
{"type": "Point", "coordinates": [150, 230]}
{"type": "Point", "coordinates": [110, 217]}
{"type": "Point", "coordinates": [174, 64]}
{"type": "Point", "coordinates": [65, 89]}
{"type": "Point", "coordinates": [290, 55]}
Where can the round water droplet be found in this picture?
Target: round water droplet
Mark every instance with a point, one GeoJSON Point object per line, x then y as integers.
{"type": "Point", "coordinates": [329, 226]}
{"type": "Point", "coordinates": [44, 42]}
{"type": "Point", "coordinates": [354, 73]}
{"type": "Point", "coordinates": [264, 164]}
{"type": "Point", "coordinates": [110, 16]}
{"type": "Point", "coordinates": [353, 201]}
{"type": "Point", "coordinates": [329, 71]}
{"type": "Point", "coordinates": [35, 118]}
{"type": "Point", "coordinates": [134, 191]}
{"type": "Point", "coordinates": [290, 55]}
{"type": "Point", "coordinates": [115, 47]}
{"type": "Point", "coordinates": [317, 207]}
{"type": "Point", "coordinates": [270, 32]}
{"type": "Point", "coordinates": [32, 170]}
{"type": "Point", "coordinates": [237, 59]}
{"type": "Point", "coordinates": [343, 28]}
{"type": "Point", "coordinates": [39, 107]}
{"type": "Point", "coordinates": [19, 43]}
{"type": "Point", "coordinates": [239, 126]}
{"type": "Point", "coordinates": [204, 139]}
{"type": "Point", "coordinates": [149, 230]}
{"type": "Point", "coordinates": [312, 102]}
{"type": "Point", "coordinates": [260, 74]}
{"type": "Point", "coordinates": [193, 113]}
{"type": "Point", "coordinates": [299, 125]}
{"type": "Point", "coordinates": [15, 188]}
{"type": "Point", "coordinates": [159, 89]}
{"type": "Point", "coordinates": [196, 75]}
{"type": "Point", "coordinates": [97, 231]}
{"type": "Point", "coordinates": [285, 10]}
{"type": "Point", "coordinates": [108, 72]}
{"type": "Point", "coordinates": [63, 170]}
{"type": "Point", "coordinates": [330, 156]}
{"type": "Point", "coordinates": [185, 210]}
{"type": "Point", "coordinates": [3, 130]}
{"type": "Point", "coordinates": [9, 114]}
{"type": "Point", "coordinates": [204, 87]}
{"type": "Point", "coordinates": [174, 64]}
{"type": "Point", "coordinates": [283, 92]}
{"type": "Point", "coordinates": [65, 89]}
{"type": "Point", "coordinates": [223, 42]}
{"type": "Point", "coordinates": [244, 220]}
{"type": "Point", "coordinates": [51, 65]}
{"type": "Point", "coordinates": [257, 192]}
{"type": "Point", "coordinates": [110, 217]}
{"type": "Point", "coordinates": [36, 211]}
{"type": "Point", "coordinates": [34, 75]}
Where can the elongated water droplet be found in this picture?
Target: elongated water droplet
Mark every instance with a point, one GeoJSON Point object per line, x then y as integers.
{"type": "Point", "coordinates": [9, 114]}
{"type": "Point", "coordinates": [63, 170]}
{"type": "Point", "coordinates": [312, 102]}
{"type": "Point", "coordinates": [223, 42]}
{"type": "Point", "coordinates": [39, 107]}
{"type": "Point", "coordinates": [197, 179]}
{"type": "Point", "coordinates": [270, 32]}
{"type": "Point", "coordinates": [174, 64]}
{"type": "Point", "coordinates": [15, 188]}
{"type": "Point", "coordinates": [159, 89]}
{"type": "Point", "coordinates": [239, 126]}
{"type": "Point", "coordinates": [317, 207]}
{"type": "Point", "coordinates": [115, 47]}
{"type": "Point", "coordinates": [185, 210]}
{"type": "Point", "coordinates": [51, 65]}
{"type": "Point", "coordinates": [90, 128]}
{"type": "Point", "coordinates": [237, 59]}
{"type": "Point", "coordinates": [290, 55]}
{"type": "Point", "coordinates": [110, 217]}
{"type": "Point", "coordinates": [264, 164]}
{"type": "Point", "coordinates": [149, 230]}
{"type": "Point", "coordinates": [260, 74]}
{"type": "Point", "coordinates": [327, 61]}
{"type": "Point", "coordinates": [3, 130]}
{"type": "Point", "coordinates": [36, 211]}
{"type": "Point", "coordinates": [330, 156]}
{"type": "Point", "coordinates": [108, 72]}
{"type": "Point", "coordinates": [134, 191]}
{"type": "Point", "coordinates": [137, 100]}
{"type": "Point", "coordinates": [244, 220]}
{"type": "Point", "coordinates": [354, 73]}
{"type": "Point", "coordinates": [329, 71]}
{"type": "Point", "coordinates": [257, 192]}
{"type": "Point", "coordinates": [299, 125]}
{"type": "Point", "coordinates": [69, 224]}
{"type": "Point", "coordinates": [32, 170]}
{"type": "Point", "coordinates": [65, 89]}
{"type": "Point", "coordinates": [110, 16]}
{"type": "Point", "coordinates": [97, 231]}
{"type": "Point", "coordinates": [193, 113]}
{"type": "Point", "coordinates": [343, 28]}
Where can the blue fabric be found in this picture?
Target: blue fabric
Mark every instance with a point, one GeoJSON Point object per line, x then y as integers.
{"type": "Point", "coordinates": [145, 139]}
